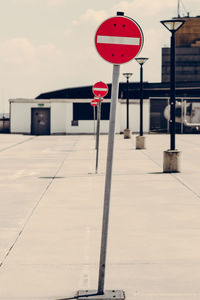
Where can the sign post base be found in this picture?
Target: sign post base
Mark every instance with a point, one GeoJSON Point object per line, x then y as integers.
{"type": "Point", "coordinates": [140, 142]}
{"type": "Point", "coordinates": [127, 133]}
{"type": "Point", "coordinates": [107, 295]}
{"type": "Point", "coordinates": [171, 161]}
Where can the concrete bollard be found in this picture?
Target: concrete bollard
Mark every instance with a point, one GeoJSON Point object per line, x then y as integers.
{"type": "Point", "coordinates": [171, 161]}
{"type": "Point", "coordinates": [127, 133]}
{"type": "Point", "coordinates": [140, 142]}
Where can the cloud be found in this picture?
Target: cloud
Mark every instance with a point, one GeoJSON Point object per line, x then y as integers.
{"type": "Point", "coordinates": [91, 16]}
{"type": "Point", "coordinates": [19, 51]}
{"type": "Point", "coordinates": [16, 51]}
{"type": "Point", "coordinates": [48, 52]}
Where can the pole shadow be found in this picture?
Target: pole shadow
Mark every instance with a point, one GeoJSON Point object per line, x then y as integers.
{"type": "Point", "coordinates": [81, 296]}
{"type": "Point", "coordinates": [153, 173]}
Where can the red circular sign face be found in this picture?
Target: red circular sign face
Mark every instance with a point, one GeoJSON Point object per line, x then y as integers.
{"type": "Point", "coordinates": [100, 89]}
{"type": "Point", "coordinates": [93, 103]}
{"type": "Point", "coordinates": [97, 99]}
{"type": "Point", "coordinates": [119, 39]}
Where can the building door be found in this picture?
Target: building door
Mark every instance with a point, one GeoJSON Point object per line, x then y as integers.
{"type": "Point", "coordinates": [40, 121]}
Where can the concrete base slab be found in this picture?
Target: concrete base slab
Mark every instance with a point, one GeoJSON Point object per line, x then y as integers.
{"type": "Point", "coordinates": [140, 142]}
{"type": "Point", "coordinates": [127, 133]}
{"type": "Point", "coordinates": [51, 217]}
{"type": "Point", "coordinates": [108, 294]}
{"type": "Point", "coordinates": [171, 161]}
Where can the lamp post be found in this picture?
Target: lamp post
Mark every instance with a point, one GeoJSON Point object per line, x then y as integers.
{"type": "Point", "coordinates": [127, 134]}
{"type": "Point", "coordinates": [171, 156]}
{"type": "Point", "coordinates": [140, 141]}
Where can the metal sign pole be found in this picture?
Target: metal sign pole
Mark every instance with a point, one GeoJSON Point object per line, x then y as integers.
{"type": "Point", "coordinates": [120, 50]}
{"type": "Point", "coordinates": [97, 126]}
{"type": "Point", "coordinates": [94, 120]}
{"type": "Point", "coordinates": [172, 94]}
{"type": "Point", "coordinates": [114, 97]}
{"type": "Point", "coordinates": [98, 132]}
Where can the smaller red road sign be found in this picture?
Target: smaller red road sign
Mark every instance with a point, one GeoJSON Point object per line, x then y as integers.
{"type": "Point", "coordinates": [97, 99]}
{"type": "Point", "coordinates": [93, 103]}
{"type": "Point", "coordinates": [119, 39]}
{"type": "Point", "coordinates": [100, 89]}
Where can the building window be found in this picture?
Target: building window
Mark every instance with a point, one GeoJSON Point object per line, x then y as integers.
{"type": "Point", "coordinates": [84, 111]}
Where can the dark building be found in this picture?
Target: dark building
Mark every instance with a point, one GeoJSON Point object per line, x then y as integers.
{"type": "Point", "coordinates": [187, 52]}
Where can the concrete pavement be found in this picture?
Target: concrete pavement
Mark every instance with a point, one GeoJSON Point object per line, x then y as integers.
{"type": "Point", "coordinates": [51, 212]}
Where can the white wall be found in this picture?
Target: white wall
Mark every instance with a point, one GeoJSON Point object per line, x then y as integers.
{"type": "Point", "coordinates": [62, 116]}
{"type": "Point", "coordinates": [134, 116]}
{"type": "Point", "coordinates": [58, 117]}
{"type": "Point", "coordinates": [20, 118]}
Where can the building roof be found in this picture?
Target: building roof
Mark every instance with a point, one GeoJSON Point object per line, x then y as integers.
{"type": "Point", "coordinates": [84, 92]}
{"type": "Point", "coordinates": [156, 89]}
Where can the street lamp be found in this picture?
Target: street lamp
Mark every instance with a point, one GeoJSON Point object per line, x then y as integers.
{"type": "Point", "coordinates": [127, 130]}
{"type": "Point", "coordinates": [141, 61]}
{"type": "Point", "coordinates": [171, 156]}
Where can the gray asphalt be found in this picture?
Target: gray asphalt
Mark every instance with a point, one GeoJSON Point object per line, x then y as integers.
{"type": "Point", "coordinates": [51, 212]}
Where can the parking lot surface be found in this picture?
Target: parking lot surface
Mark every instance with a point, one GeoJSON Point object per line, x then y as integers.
{"type": "Point", "coordinates": [51, 204]}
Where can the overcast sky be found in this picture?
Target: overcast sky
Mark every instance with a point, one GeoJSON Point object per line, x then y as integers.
{"type": "Point", "coordinates": [47, 45]}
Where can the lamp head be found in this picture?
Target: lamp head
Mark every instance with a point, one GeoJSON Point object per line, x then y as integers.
{"type": "Point", "coordinates": [173, 25]}
{"type": "Point", "coordinates": [127, 75]}
{"type": "Point", "coordinates": [141, 60]}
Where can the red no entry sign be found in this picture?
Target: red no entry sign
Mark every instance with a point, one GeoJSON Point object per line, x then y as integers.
{"type": "Point", "coordinates": [119, 39]}
{"type": "Point", "coordinates": [93, 103]}
{"type": "Point", "coordinates": [97, 99]}
{"type": "Point", "coordinates": [100, 89]}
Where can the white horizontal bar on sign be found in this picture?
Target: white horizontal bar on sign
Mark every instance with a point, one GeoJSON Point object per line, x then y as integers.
{"type": "Point", "coordinates": [99, 89]}
{"type": "Point", "coordinates": [120, 40]}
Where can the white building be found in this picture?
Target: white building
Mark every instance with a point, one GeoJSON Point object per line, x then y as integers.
{"type": "Point", "coordinates": [71, 116]}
